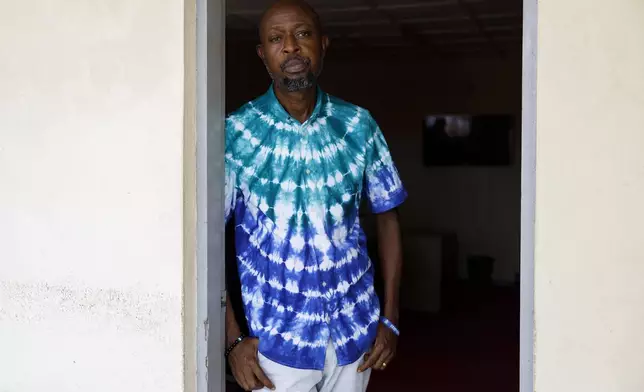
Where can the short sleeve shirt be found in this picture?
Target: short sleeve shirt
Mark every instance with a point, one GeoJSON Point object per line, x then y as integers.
{"type": "Point", "coordinates": [294, 191]}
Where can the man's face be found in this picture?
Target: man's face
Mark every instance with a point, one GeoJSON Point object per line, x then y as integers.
{"type": "Point", "coordinates": [292, 46]}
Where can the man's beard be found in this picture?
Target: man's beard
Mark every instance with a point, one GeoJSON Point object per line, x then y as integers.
{"type": "Point", "coordinates": [293, 85]}
{"type": "Point", "coordinates": [299, 84]}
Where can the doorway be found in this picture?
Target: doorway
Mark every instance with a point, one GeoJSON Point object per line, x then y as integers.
{"type": "Point", "coordinates": [462, 58]}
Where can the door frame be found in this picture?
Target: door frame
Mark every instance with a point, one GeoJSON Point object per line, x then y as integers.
{"type": "Point", "coordinates": [528, 194]}
{"type": "Point", "coordinates": [210, 33]}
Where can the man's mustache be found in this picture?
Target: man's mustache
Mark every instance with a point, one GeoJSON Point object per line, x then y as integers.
{"type": "Point", "coordinates": [294, 59]}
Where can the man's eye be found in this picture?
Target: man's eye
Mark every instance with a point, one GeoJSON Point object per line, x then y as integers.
{"type": "Point", "coordinates": [274, 39]}
{"type": "Point", "coordinates": [304, 34]}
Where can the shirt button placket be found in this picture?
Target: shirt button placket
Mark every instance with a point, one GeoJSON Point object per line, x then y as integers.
{"type": "Point", "coordinates": [305, 142]}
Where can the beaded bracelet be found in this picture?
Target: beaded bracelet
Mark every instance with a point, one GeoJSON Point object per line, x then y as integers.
{"type": "Point", "coordinates": [235, 343]}
{"type": "Point", "coordinates": [390, 325]}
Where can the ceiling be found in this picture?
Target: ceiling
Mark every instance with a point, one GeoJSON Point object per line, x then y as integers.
{"type": "Point", "coordinates": [444, 26]}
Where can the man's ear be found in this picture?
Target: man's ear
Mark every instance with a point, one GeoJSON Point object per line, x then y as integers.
{"type": "Point", "coordinates": [326, 42]}
{"type": "Point", "coordinates": [260, 52]}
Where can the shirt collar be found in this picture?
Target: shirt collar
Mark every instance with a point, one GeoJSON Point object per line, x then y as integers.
{"type": "Point", "coordinates": [276, 109]}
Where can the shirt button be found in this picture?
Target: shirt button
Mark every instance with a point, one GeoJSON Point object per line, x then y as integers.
{"type": "Point", "coordinates": [323, 284]}
{"type": "Point", "coordinates": [308, 171]}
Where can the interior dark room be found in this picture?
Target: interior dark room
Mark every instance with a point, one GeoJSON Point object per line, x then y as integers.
{"type": "Point", "coordinates": [443, 80]}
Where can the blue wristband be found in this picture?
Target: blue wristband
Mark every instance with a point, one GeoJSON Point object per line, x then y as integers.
{"type": "Point", "coordinates": [389, 325]}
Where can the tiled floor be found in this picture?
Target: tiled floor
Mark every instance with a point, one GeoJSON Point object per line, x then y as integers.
{"type": "Point", "coordinates": [472, 347]}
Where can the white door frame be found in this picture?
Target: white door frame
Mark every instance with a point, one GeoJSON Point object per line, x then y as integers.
{"type": "Point", "coordinates": [211, 29]}
{"type": "Point", "coordinates": [528, 194]}
{"type": "Point", "coordinates": [211, 94]}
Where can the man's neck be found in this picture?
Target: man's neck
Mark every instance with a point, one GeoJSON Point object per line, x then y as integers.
{"type": "Point", "coordinates": [299, 104]}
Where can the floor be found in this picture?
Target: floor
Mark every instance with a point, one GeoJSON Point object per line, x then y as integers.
{"type": "Point", "coordinates": [473, 346]}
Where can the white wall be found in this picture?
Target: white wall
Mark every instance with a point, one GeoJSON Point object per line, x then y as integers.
{"type": "Point", "coordinates": [589, 295]}
{"type": "Point", "coordinates": [91, 128]}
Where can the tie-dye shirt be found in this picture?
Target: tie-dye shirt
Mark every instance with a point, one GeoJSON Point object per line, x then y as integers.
{"type": "Point", "coordinates": [294, 190]}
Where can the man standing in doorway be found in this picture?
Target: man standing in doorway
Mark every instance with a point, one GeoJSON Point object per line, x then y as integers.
{"type": "Point", "coordinates": [298, 162]}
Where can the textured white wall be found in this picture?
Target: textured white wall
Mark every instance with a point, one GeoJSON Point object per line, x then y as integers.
{"type": "Point", "coordinates": [589, 295]}
{"type": "Point", "coordinates": [91, 127]}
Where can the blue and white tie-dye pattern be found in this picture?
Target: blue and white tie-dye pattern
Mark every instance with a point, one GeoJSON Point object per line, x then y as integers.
{"type": "Point", "coordinates": [294, 190]}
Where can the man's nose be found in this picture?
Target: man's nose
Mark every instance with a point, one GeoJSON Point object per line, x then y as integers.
{"type": "Point", "coordinates": [290, 44]}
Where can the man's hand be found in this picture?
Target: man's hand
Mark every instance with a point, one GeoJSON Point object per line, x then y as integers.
{"type": "Point", "coordinates": [245, 366]}
{"type": "Point", "coordinates": [383, 350]}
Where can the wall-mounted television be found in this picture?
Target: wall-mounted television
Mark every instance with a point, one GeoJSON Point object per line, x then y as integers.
{"type": "Point", "coordinates": [468, 140]}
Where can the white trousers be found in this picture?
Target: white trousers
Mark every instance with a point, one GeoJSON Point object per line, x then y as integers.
{"type": "Point", "coordinates": [333, 378]}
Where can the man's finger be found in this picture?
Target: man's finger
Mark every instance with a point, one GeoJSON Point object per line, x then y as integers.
{"type": "Point", "coordinates": [243, 382]}
{"type": "Point", "coordinates": [253, 380]}
{"type": "Point", "coordinates": [390, 358]}
{"type": "Point", "coordinates": [255, 384]}
{"type": "Point", "coordinates": [250, 380]}
{"type": "Point", "coordinates": [240, 378]}
{"type": "Point", "coordinates": [261, 376]}
{"type": "Point", "coordinates": [382, 360]}
{"type": "Point", "coordinates": [370, 359]}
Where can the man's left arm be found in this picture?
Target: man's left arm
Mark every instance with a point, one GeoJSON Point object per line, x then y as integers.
{"type": "Point", "coordinates": [385, 193]}
{"type": "Point", "coordinates": [390, 252]}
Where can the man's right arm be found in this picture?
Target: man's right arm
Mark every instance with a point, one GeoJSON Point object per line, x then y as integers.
{"type": "Point", "coordinates": [243, 358]}
{"type": "Point", "coordinates": [232, 327]}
